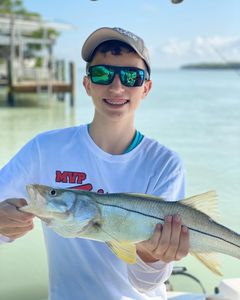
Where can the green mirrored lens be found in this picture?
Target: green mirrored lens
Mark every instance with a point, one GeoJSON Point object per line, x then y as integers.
{"type": "Point", "coordinates": [132, 77]}
{"type": "Point", "coordinates": [100, 74]}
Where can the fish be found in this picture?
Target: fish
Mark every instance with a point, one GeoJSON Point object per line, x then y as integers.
{"type": "Point", "coordinates": [121, 220]}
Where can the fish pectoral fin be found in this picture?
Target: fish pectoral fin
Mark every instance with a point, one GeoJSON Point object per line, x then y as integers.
{"type": "Point", "coordinates": [124, 250]}
{"type": "Point", "coordinates": [210, 260]}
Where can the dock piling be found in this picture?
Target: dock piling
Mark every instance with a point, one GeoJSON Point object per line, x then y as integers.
{"type": "Point", "coordinates": [73, 83]}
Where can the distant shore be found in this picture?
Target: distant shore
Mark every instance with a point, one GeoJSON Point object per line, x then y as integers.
{"type": "Point", "coordinates": [212, 66]}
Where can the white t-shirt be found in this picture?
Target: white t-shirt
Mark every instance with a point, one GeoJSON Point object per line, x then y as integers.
{"type": "Point", "coordinates": [69, 158]}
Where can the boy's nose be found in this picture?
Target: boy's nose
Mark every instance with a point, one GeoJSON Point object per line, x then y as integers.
{"type": "Point", "coordinates": [116, 84]}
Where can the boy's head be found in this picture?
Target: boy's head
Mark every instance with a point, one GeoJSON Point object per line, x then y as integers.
{"type": "Point", "coordinates": [114, 40]}
{"type": "Point", "coordinates": [118, 72]}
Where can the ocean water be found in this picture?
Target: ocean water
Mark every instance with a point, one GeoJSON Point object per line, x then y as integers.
{"type": "Point", "coordinates": [196, 113]}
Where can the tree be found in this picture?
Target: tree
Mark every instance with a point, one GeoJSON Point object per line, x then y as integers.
{"type": "Point", "coordinates": [16, 7]}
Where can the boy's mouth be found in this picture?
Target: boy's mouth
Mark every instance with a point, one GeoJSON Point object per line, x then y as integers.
{"type": "Point", "coordinates": [116, 102]}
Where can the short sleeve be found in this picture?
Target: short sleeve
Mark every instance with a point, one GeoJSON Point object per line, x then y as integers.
{"type": "Point", "coordinates": [21, 170]}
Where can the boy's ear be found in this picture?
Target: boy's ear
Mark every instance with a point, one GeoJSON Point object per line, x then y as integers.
{"type": "Point", "coordinates": [87, 84]}
{"type": "Point", "coordinates": [147, 87]}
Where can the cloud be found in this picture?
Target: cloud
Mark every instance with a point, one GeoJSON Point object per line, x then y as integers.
{"type": "Point", "coordinates": [176, 47]}
{"type": "Point", "coordinates": [176, 52]}
{"type": "Point", "coordinates": [200, 48]}
{"type": "Point", "coordinates": [215, 45]}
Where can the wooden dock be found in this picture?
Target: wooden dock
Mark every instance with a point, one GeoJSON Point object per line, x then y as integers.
{"type": "Point", "coordinates": [51, 86]}
{"type": "Point", "coordinates": [20, 75]}
{"type": "Point", "coordinates": [42, 86]}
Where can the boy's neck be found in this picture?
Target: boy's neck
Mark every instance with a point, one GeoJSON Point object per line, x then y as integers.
{"type": "Point", "coordinates": [113, 138]}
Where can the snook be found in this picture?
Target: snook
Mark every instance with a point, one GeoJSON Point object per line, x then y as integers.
{"type": "Point", "coordinates": [122, 220]}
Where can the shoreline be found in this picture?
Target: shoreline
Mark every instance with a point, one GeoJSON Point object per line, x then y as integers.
{"type": "Point", "coordinates": [212, 66]}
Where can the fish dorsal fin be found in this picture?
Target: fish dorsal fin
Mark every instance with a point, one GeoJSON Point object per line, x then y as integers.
{"type": "Point", "coordinates": [124, 250]}
{"type": "Point", "coordinates": [210, 260]}
{"type": "Point", "coordinates": [206, 203]}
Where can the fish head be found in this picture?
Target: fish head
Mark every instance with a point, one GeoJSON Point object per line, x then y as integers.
{"type": "Point", "coordinates": [57, 206]}
{"type": "Point", "coordinates": [49, 202]}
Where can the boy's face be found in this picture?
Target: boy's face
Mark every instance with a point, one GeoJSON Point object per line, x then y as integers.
{"type": "Point", "coordinates": [116, 101]}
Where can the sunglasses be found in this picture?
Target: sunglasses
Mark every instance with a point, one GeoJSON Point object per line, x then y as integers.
{"type": "Point", "coordinates": [129, 76]}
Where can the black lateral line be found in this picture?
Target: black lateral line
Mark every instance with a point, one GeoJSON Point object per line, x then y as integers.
{"type": "Point", "coordinates": [161, 219]}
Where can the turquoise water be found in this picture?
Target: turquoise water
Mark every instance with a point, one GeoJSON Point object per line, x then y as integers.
{"type": "Point", "coordinates": [196, 113]}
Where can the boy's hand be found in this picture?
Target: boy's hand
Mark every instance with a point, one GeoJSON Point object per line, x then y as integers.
{"type": "Point", "coordinates": [169, 242]}
{"type": "Point", "coordinates": [14, 223]}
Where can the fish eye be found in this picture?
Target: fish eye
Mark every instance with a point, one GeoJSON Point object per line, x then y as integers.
{"type": "Point", "coordinates": [53, 193]}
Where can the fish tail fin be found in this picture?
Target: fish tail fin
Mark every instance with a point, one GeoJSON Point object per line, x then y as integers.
{"type": "Point", "coordinates": [210, 260]}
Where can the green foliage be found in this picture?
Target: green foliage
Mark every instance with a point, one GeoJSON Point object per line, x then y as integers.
{"type": "Point", "coordinates": [51, 33]}
{"type": "Point", "coordinates": [8, 6]}
{"type": "Point", "coordinates": [39, 34]}
{"type": "Point", "coordinates": [39, 62]}
{"type": "Point", "coordinates": [16, 7]}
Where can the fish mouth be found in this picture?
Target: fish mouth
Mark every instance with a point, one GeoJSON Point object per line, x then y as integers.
{"type": "Point", "coordinates": [36, 196]}
{"type": "Point", "coordinates": [30, 190]}
{"type": "Point", "coordinates": [36, 189]}
{"type": "Point", "coordinates": [36, 202]}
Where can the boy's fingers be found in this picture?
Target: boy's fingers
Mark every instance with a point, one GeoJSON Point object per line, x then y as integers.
{"type": "Point", "coordinates": [9, 231]}
{"type": "Point", "coordinates": [14, 233]}
{"type": "Point", "coordinates": [16, 224]}
{"type": "Point", "coordinates": [17, 202]}
{"type": "Point", "coordinates": [11, 217]}
{"type": "Point", "coordinates": [154, 240]}
{"type": "Point", "coordinates": [183, 244]}
{"type": "Point", "coordinates": [170, 253]}
{"type": "Point", "coordinates": [165, 236]}
{"type": "Point", "coordinates": [18, 215]}
{"type": "Point", "coordinates": [175, 236]}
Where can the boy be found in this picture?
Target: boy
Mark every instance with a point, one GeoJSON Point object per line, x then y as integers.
{"type": "Point", "coordinates": [108, 155]}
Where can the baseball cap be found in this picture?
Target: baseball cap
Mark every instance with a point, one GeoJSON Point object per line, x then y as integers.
{"type": "Point", "coordinates": [104, 34]}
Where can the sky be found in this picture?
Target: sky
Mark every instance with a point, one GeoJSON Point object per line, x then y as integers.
{"type": "Point", "coordinates": [175, 34]}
